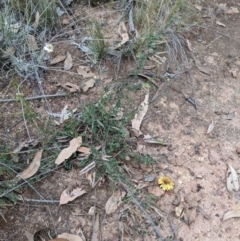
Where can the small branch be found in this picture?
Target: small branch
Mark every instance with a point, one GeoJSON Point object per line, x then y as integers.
{"type": "Point", "coordinates": [131, 23]}
{"type": "Point", "coordinates": [126, 10]}
{"type": "Point", "coordinates": [37, 200]}
{"type": "Point", "coordinates": [137, 203]}
{"type": "Point", "coordinates": [34, 97]}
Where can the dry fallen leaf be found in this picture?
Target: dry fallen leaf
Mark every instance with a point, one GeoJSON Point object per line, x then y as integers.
{"type": "Point", "coordinates": [32, 43]}
{"type": "Point", "coordinates": [66, 21]}
{"type": "Point", "coordinates": [189, 45]}
{"type": "Point", "coordinates": [58, 59]}
{"type": "Point", "coordinates": [150, 67]}
{"type": "Point", "coordinates": [35, 24]}
{"type": "Point", "coordinates": [210, 128]}
{"type": "Point", "coordinates": [70, 87]}
{"type": "Point", "coordinates": [10, 51]}
{"type": "Point", "coordinates": [70, 237]}
{"type": "Point", "coordinates": [18, 149]}
{"type": "Point", "coordinates": [200, 66]}
{"type": "Point", "coordinates": [88, 84]}
{"type": "Point", "coordinates": [67, 197]}
{"type": "Point", "coordinates": [74, 144]}
{"type": "Point", "coordinates": [96, 229]}
{"type": "Point", "coordinates": [122, 30]}
{"type": "Point", "coordinates": [155, 190]}
{"type": "Point", "coordinates": [59, 239]}
{"type": "Point", "coordinates": [84, 150]}
{"type": "Point", "coordinates": [68, 62]}
{"type": "Point", "coordinates": [191, 213]}
{"type": "Point", "coordinates": [231, 214]}
{"type": "Point", "coordinates": [229, 116]}
{"type": "Point", "coordinates": [198, 7]}
{"type": "Point", "coordinates": [33, 167]}
{"type": "Point", "coordinates": [30, 236]}
{"type": "Point", "coordinates": [232, 179]}
{"type": "Point", "coordinates": [79, 232]}
{"type": "Point", "coordinates": [85, 72]}
{"type": "Point", "coordinates": [149, 139]}
{"type": "Point", "coordinates": [142, 149]}
{"type": "Point", "coordinates": [232, 10]}
{"type": "Point", "coordinates": [114, 201]}
{"type": "Point", "coordinates": [177, 199]}
{"type": "Point", "coordinates": [179, 211]}
{"type": "Point", "coordinates": [142, 110]}
{"type": "Point", "coordinates": [234, 72]}
{"type": "Point", "coordinates": [205, 215]}
{"type": "Point", "coordinates": [220, 24]}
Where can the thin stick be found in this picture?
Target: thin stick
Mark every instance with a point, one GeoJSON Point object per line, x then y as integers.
{"type": "Point", "coordinates": [5, 193]}
{"type": "Point", "coordinates": [37, 200]}
{"type": "Point", "coordinates": [23, 113]}
{"type": "Point", "coordinates": [34, 97]}
{"type": "Point", "coordinates": [200, 26]}
{"type": "Point", "coordinates": [126, 10]}
{"type": "Point", "coordinates": [159, 236]}
{"type": "Point", "coordinates": [131, 23]}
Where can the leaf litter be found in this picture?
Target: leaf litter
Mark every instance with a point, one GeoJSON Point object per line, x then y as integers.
{"type": "Point", "coordinates": [67, 196]}
{"type": "Point", "coordinates": [87, 85]}
{"type": "Point", "coordinates": [74, 144]}
{"type": "Point", "coordinates": [85, 72]}
{"type": "Point", "coordinates": [33, 167]}
{"type": "Point", "coordinates": [138, 118]}
{"type": "Point", "coordinates": [96, 229]}
{"type": "Point", "coordinates": [232, 179]}
{"type": "Point", "coordinates": [210, 128]}
{"type": "Point", "coordinates": [68, 237]}
{"type": "Point", "coordinates": [32, 43]}
{"type": "Point", "coordinates": [231, 214]}
{"type": "Point", "coordinates": [72, 88]}
{"type": "Point", "coordinates": [122, 31]}
{"type": "Point", "coordinates": [68, 62]}
{"type": "Point", "coordinates": [36, 23]}
{"type": "Point", "coordinates": [114, 201]}
{"type": "Point", "coordinates": [58, 59]}
{"type": "Point", "coordinates": [80, 147]}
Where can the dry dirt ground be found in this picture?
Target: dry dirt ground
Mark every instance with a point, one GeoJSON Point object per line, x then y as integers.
{"type": "Point", "coordinates": [197, 162]}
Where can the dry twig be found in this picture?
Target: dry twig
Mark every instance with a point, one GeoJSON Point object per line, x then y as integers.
{"type": "Point", "coordinates": [34, 97]}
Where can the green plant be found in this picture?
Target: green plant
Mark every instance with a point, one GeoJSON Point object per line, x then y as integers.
{"type": "Point", "coordinates": [98, 45]}
{"type": "Point", "coordinates": [47, 11]}
{"type": "Point", "coordinates": [154, 19]}
{"type": "Point", "coordinates": [24, 27]}
{"type": "Point", "coordinates": [29, 112]}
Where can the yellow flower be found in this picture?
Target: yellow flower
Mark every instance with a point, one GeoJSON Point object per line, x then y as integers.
{"type": "Point", "coordinates": [166, 183]}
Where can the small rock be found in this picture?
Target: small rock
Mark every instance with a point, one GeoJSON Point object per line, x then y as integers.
{"type": "Point", "coordinates": [149, 178]}
{"type": "Point", "coordinates": [228, 229]}
{"type": "Point", "coordinates": [157, 191]}
{"type": "Point", "coordinates": [234, 73]}
{"type": "Point", "coordinates": [162, 166]}
{"type": "Point", "coordinates": [214, 144]}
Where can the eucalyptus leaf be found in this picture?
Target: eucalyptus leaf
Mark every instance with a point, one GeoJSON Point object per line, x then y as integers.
{"type": "Point", "coordinates": [231, 214]}
{"type": "Point", "coordinates": [232, 179]}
